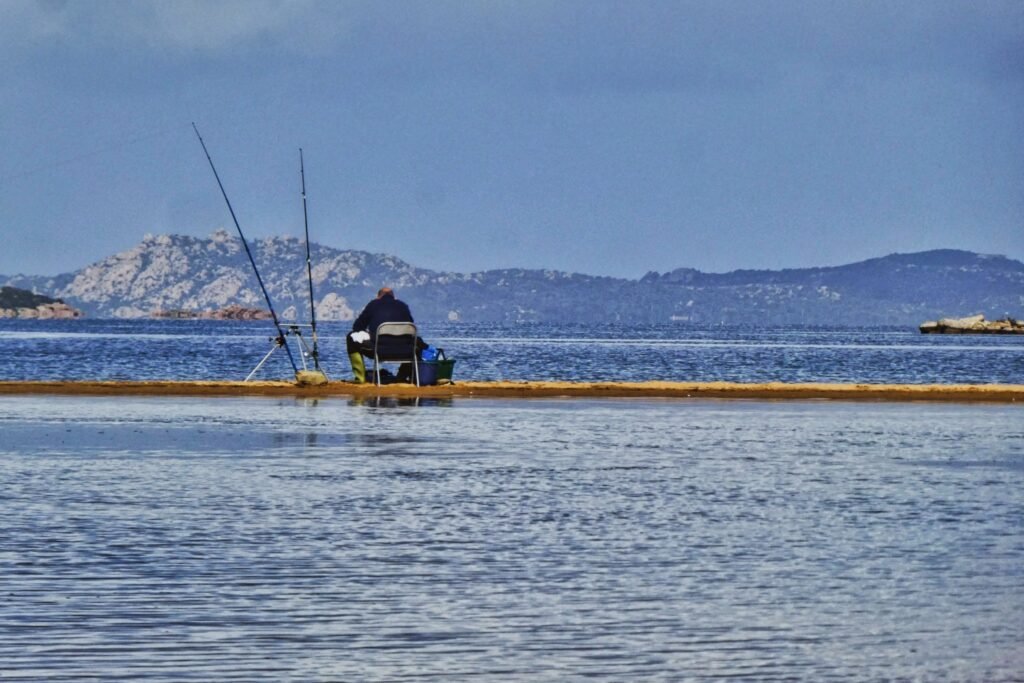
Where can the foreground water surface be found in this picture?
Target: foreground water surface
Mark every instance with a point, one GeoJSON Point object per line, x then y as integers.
{"type": "Point", "coordinates": [289, 540]}
{"type": "Point", "coordinates": [212, 350]}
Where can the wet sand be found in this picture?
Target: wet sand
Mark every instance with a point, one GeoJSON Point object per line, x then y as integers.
{"type": "Point", "coordinates": [968, 393]}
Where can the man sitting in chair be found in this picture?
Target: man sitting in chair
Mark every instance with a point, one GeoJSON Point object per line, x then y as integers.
{"type": "Point", "coordinates": [384, 309]}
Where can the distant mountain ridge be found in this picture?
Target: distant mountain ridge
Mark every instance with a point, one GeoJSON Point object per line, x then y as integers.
{"type": "Point", "coordinates": [178, 272]}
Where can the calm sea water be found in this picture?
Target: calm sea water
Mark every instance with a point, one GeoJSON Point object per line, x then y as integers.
{"type": "Point", "coordinates": [168, 539]}
{"type": "Point", "coordinates": [155, 349]}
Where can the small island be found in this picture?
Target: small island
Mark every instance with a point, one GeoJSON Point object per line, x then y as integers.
{"type": "Point", "coordinates": [21, 303]}
{"type": "Point", "coordinates": [975, 324]}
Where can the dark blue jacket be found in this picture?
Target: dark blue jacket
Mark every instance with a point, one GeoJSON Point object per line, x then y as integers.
{"type": "Point", "coordinates": [386, 309]}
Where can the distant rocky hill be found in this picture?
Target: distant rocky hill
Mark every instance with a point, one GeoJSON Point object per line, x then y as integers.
{"type": "Point", "coordinates": [175, 272]}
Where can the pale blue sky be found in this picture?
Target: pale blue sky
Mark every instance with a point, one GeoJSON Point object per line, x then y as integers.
{"type": "Point", "coordinates": [610, 138]}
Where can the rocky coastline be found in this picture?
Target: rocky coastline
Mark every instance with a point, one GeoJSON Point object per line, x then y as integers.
{"type": "Point", "coordinates": [233, 312]}
{"type": "Point", "coordinates": [21, 303]}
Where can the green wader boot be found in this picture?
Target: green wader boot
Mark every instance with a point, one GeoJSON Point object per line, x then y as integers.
{"type": "Point", "coordinates": [358, 367]}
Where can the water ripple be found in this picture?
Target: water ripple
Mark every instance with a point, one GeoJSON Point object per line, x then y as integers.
{"type": "Point", "coordinates": [162, 349]}
{"type": "Point", "coordinates": [278, 540]}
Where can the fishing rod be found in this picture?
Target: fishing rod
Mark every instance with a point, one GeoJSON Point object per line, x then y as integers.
{"type": "Point", "coordinates": [309, 264]}
{"type": "Point", "coordinates": [280, 332]}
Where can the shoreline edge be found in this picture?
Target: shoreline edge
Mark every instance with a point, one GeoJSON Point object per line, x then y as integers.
{"type": "Point", "coordinates": [970, 393]}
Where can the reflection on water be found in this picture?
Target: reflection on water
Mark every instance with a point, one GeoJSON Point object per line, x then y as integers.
{"type": "Point", "coordinates": [401, 402]}
{"type": "Point", "coordinates": [323, 540]}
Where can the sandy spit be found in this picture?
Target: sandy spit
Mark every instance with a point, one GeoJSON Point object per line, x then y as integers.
{"type": "Point", "coordinates": [993, 393]}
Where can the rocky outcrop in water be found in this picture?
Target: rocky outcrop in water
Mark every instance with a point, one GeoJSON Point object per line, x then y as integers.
{"type": "Point", "coordinates": [975, 324]}
{"type": "Point", "coordinates": [176, 272]}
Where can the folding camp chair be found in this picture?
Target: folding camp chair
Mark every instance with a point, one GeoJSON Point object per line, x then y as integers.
{"type": "Point", "coordinates": [395, 343]}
